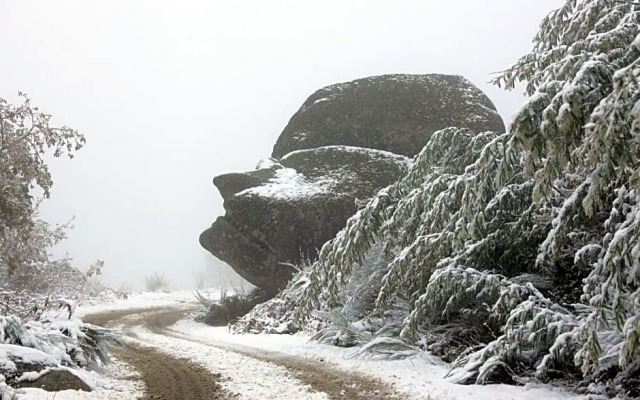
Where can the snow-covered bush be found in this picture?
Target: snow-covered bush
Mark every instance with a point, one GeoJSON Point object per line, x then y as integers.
{"type": "Point", "coordinates": [521, 247]}
{"type": "Point", "coordinates": [33, 289]}
{"type": "Point", "coordinates": [49, 344]}
{"type": "Point", "coordinates": [38, 294]}
{"type": "Point", "coordinates": [272, 316]}
{"type": "Point", "coordinates": [37, 313]}
{"type": "Point", "coordinates": [69, 341]}
{"type": "Point", "coordinates": [276, 314]}
{"type": "Point", "coordinates": [44, 324]}
{"type": "Point", "coordinates": [230, 306]}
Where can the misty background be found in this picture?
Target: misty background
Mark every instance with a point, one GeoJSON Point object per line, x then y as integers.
{"type": "Point", "coordinates": [171, 93]}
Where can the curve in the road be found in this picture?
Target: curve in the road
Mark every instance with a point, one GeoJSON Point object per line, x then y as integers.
{"type": "Point", "coordinates": [321, 376]}
{"type": "Point", "coordinates": [165, 377]}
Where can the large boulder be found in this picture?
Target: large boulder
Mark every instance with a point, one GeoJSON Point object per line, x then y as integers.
{"type": "Point", "coordinates": [286, 210]}
{"type": "Point", "coordinates": [345, 143]}
{"type": "Point", "coordinates": [396, 113]}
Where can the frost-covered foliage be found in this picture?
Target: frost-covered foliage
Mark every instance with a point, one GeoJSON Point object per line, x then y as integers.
{"type": "Point", "coordinates": [275, 315]}
{"type": "Point", "coordinates": [230, 306]}
{"type": "Point", "coordinates": [69, 341]}
{"type": "Point", "coordinates": [26, 136]}
{"type": "Point", "coordinates": [54, 342]}
{"type": "Point", "coordinates": [30, 291]}
{"type": "Point", "coordinates": [37, 304]}
{"type": "Point", "coordinates": [519, 249]}
{"type": "Point", "coordinates": [272, 316]}
{"type": "Point", "coordinates": [38, 294]}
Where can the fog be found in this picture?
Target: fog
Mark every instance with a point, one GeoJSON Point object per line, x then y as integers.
{"type": "Point", "coordinates": [172, 93]}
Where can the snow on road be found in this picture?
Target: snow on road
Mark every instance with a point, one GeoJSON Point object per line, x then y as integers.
{"type": "Point", "coordinates": [250, 378]}
{"type": "Point", "coordinates": [418, 377]}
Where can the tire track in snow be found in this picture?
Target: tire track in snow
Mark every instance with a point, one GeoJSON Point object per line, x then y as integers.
{"type": "Point", "coordinates": [322, 376]}
{"type": "Point", "coordinates": [165, 377]}
{"type": "Point", "coordinates": [240, 376]}
{"type": "Point", "coordinates": [251, 373]}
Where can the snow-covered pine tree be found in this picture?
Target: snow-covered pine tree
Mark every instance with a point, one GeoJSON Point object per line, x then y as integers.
{"type": "Point", "coordinates": [557, 196]}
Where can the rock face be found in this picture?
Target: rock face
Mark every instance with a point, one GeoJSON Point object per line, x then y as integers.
{"type": "Point", "coordinates": [346, 142]}
{"type": "Point", "coordinates": [396, 113]}
{"type": "Point", "coordinates": [284, 211]}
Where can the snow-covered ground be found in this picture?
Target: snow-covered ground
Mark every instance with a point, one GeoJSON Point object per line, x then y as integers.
{"type": "Point", "coordinates": [148, 300]}
{"type": "Point", "coordinates": [419, 377]}
{"type": "Point", "coordinates": [248, 377]}
{"type": "Point", "coordinates": [116, 382]}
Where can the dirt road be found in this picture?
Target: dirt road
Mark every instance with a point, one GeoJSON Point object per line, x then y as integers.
{"type": "Point", "coordinates": [165, 377]}
{"type": "Point", "coordinates": [191, 381]}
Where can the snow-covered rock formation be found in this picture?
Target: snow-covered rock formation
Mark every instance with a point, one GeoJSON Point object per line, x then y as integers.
{"type": "Point", "coordinates": [396, 113]}
{"type": "Point", "coordinates": [286, 210]}
{"type": "Point", "coordinates": [346, 142]}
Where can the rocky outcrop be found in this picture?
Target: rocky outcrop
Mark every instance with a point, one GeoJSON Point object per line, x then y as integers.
{"type": "Point", "coordinates": [286, 210]}
{"type": "Point", "coordinates": [396, 113]}
{"type": "Point", "coordinates": [345, 143]}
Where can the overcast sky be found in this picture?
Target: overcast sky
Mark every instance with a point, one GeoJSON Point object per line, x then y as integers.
{"type": "Point", "coordinates": [172, 93]}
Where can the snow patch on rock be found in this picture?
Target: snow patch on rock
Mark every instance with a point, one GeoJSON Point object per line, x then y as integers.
{"type": "Point", "coordinates": [289, 184]}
